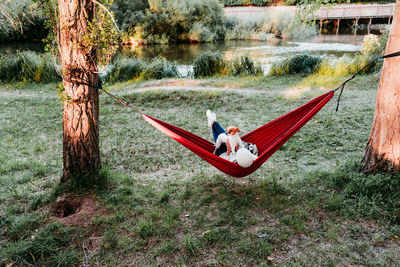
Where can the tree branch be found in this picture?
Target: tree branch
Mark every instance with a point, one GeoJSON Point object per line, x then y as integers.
{"type": "Point", "coordinates": [108, 12]}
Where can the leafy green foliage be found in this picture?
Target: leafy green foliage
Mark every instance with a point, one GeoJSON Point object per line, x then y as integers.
{"type": "Point", "coordinates": [287, 2]}
{"type": "Point", "coordinates": [160, 68]}
{"type": "Point", "coordinates": [178, 20]}
{"type": "Point", "coordinates": [101, 35]}
{"type": "Point", "coordinates": [27, 67]}
{"type": "Point", "coordinates": [21, 20]}
{"type": "Point", "coordinates": [98, 42]}
{"type": "Point", "coordinates": [127, 12]}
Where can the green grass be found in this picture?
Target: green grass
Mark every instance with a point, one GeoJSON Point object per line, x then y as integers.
{"type": "Point", "coordinates": [307, 205]}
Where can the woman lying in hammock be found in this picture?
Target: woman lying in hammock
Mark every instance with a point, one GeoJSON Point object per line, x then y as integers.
{"type": "Point", "coordinates": [228, 144]}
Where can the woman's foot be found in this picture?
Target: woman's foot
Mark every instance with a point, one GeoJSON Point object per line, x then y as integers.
{"type": "Point", "coordinates": [211, 117]}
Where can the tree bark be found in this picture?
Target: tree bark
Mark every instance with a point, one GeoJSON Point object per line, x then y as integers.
{"type": "Point", "coordinates": [81, 151]}
{"type": "Point", "coordinates": [383, 147]}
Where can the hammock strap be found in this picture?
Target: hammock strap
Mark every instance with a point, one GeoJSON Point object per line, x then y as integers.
{"type": "Point", "coordinates": [99, 86]}
{"type": "Point", "coordinates": [120, 101]}
{"type": "Point", "coordinates": [341, 87]}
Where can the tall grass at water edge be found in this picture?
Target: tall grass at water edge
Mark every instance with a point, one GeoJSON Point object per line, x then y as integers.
{"type": "Point", "coordinates": [328, 66]}
{"type": "Point", "coordinates": [303, 63]}
{"type": "Point", "coordinates": [124, 69]}
{"type": "Point", "coordinates": [32, 67]}
{"type": "Point", "coordinates": [207, 64]}
{"type": "Point", "coordinates": [28, 67]}
{"type": "Point", "coordinates": [213, 63]}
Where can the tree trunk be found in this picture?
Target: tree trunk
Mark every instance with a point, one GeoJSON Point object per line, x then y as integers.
{"type": "Point", "coordinates": [81, 151]}
{"type": "Point", "coordinates": [383, 147]}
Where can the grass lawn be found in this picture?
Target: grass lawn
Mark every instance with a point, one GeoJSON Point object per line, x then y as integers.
{"type": "Point", "coordinates": [162, 205]}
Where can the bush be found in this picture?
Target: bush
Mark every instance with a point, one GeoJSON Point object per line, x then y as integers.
{"type": "Point", "coordinates": [27, 67]}
{"type": "Point", "coordinates": [209, 64]}
{"type": "Point", "coordinates": [160, 68]}
{"type": "Point", "coordinates": [244, 65]}
{"type": "Point", "coordinates": [177, 21]}
{"type": "Point", "coordinates": [127, 12]}
{"type": "Point", "coordinates": [304, 64]}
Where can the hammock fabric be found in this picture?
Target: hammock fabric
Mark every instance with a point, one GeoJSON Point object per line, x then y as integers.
{"type": "Point", "coordinates": [268, 138]}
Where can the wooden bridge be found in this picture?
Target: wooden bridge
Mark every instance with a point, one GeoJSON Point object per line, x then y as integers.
{"type": "Point", "coordinates": [370, 11]}
{"type": "Point", "coordinates": [366, 14]}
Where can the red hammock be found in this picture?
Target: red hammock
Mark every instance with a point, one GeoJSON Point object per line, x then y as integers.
{"type": "Point", "coordinates": [268, 138]}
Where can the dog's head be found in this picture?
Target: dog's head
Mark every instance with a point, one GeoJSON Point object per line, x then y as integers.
{"type": "Point", "coordinates": [232, 130]}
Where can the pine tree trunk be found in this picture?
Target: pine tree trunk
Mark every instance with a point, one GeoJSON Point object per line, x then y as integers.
{"type": "Point", "coordinates": [81, 151]}
{"type": "Point", "coordinates": [383, 147]}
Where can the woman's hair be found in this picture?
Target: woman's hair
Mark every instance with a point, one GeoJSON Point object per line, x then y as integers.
{"type": "Point", "coordinates": [232, 130]}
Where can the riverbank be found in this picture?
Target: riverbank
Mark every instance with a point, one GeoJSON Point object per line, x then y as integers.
{"type": "Point", "coordinates": [159, 204]}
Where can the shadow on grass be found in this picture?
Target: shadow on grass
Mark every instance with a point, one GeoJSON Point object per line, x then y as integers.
{"type": "Point", "coordinates": [350, 193]}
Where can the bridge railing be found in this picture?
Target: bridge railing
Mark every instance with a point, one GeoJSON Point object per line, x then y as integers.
{"type": "Point", "coordinates": [336, 12]}
{"type": "Point", "coordinates": [356, 11]}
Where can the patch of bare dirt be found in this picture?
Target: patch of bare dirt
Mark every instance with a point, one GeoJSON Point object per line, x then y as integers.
{"type": "Point", "coordinates": [77, 211]}
{"type": "Point", "coordinates": [173, 82]}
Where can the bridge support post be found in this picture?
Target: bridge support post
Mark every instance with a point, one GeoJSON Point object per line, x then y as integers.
{"type": "Point", "coordinates": [320, 27]}
{"type": "Point", "coordinates": [369, 25]}
{"type": "Point", "coordinates": [338, 27]}
{"type": "Point", "coordinates": [356, 27]}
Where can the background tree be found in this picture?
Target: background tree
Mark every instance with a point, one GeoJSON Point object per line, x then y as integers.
{"type": "Point", "coordinates": [383, 147]}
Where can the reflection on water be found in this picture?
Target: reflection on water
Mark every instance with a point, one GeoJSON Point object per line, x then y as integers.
{"type": "Point", "coordinates": [184, 53]}
{"type": "Point", "coordinates": [263, 52]}
{"type": "Point", "coordinates": [12, 48]}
